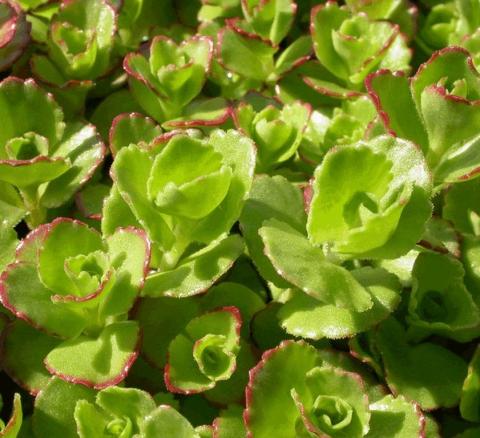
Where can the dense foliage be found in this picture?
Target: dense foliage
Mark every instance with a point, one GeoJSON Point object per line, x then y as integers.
{"type": "Point", "coordinates": [239, 218]}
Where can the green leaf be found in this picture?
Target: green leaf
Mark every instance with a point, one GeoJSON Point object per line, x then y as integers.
{"type": "Point", "coordinates": [305, 266]}
{"type": "Point", "coordinates": [270, 197]}
{"type": "Point", "coordinates": [395, 417]}
{"type": "Point", "coordinates": [116, 213]}
{"type": "Point", "coordinates": [171, 77]}
{"type": "Point", "coordinates": [247, 56]}
{"type": "Point", "coordinates": [230, 423]}
{"type": "Point", "coordinates": [132, 128]}
{"type": "Point", "coordinates": [82, 146]}
{"type": "Point", "coordinates": [196, 273]}
{"type": "Point", "coordinates": [23, 352]}
{"type": "Point", "coordinates": [470, 400]}
{"type": "Point", "coordinates": [8, 243]}
{"type": "Point", "coordinates": [324, 21]}
{"type": "Point", "coordinates": [54, 408]}
{"type": "Point", "coordinates": [17, 98]}
{"type": "Point", "coordinates": [81, 38]}
{"type": "Point", "coordinates": [232, 390]}
{"type": "Point", "coordinates": [448, 117]}
{"type": "Point", "coordinates": [12, 209]}
{"type": "Point", "coordinates": [129, 252]}
{"type": "Point", "coordinates": [409, 368]}
{"type": "Point", "coordinates": [304, 316]}
{"type": "Point", "coordinates": [32, 172]}
{"type": "Point", "coordinates": [441, 236]}
{"type": "Point", "coordinates": [202, 113]}
{"type": "Point", "coordinates": [391, 93]}
{"type": "Point", "coordinates": [371, 199]}
{"type": "Point", "coordinates": [461, 208]}
{"type": "Point", "coordinates": [99, 361]}
{"type": "Point", "coordinates": [297, 51]}
{"type": "Point", "coordinates": [166, 422]}
{"type": "Point", "coordinates": [311, 75]}
{"type": "Point", "coordinates": [277, 133]}
{"type": "Point", "coordinates": [14, 424]}
{"type": "Point", "coordinates": [132, 161]}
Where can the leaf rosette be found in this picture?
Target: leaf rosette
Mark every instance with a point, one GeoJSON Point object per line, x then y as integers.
{"type": "Point", "coordinates": [186, 191]}
{"type": "Point", "coordinates": [71, 410]}
{"type": "Point", "coordinates": [439, 302]}
{"type": "Point", "coordinates": [277, 132]}
{"type": "Point", "coordinates": [350, 46]}
{"type": "Point", "coordinates": [370, 199]}
{"type": "Point", "coordinates": [128, 413]}
{"type": "Point", "coordinates": [43, 160]}
{"type": "Point", "coordinates": [69, 282]}
{"type": "Point", "coordinates": [200, 335]}
{"type": "Point", "coordinates": [80, 50]}
{"type": "Point", "coordinates": [323, 396]}
{"type": "Point", "coordinates": [270, 19]}
{"type": "Point", "coordinates": [438, 109]}
{"type": "Point", "coordinates": [448, 23]}
{"type": "Point", "coordinates": [246, 47]}
{"type": "Point", "coordinates": [80, 42]}
{"type": "Point", "coordinates": [347, 124]}
{"type": "Point", "coordinates": [168, 76]}
{"type": "Point", "coordinates": [204, 352]}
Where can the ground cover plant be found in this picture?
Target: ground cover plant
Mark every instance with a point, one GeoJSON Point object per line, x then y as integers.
{"type": "Point", "coordinates": [239, 218]}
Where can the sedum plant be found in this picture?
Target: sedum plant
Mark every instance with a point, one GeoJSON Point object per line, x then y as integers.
{"type": "Point", "coordinates": [239, 219]}
{"type": "Point", "coordinates": [322, 397]}
{"type": "Point", "coordinates": [212, 340]}
{"type": "Point", "coordinates": [78, 48]}
{"type": "Point", "coordinates": [350, 45]}
{"type": "Point", "coordinates": [366, 215]}
{"type": "Point", "coordinates": [80, 45]}
{"type": "Point", "coordinates": [448, 23]}
{"type": "Point", "coordinates": [276, 132]}
{"type": "Point", "coordinates": [128, 412]}
{"type": "Point", "coordinates": [70, 283]}
{"type": "Point", "coordinates": [169, 76]}
{"type": "Point", "coordinates": [167, 199]}
{"type": "Point", "coordinates": [44, 160]}
{"type": "Point", "coordinates": [114, 411]}
{"type": "Point", "coordinates": [444, 89]}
